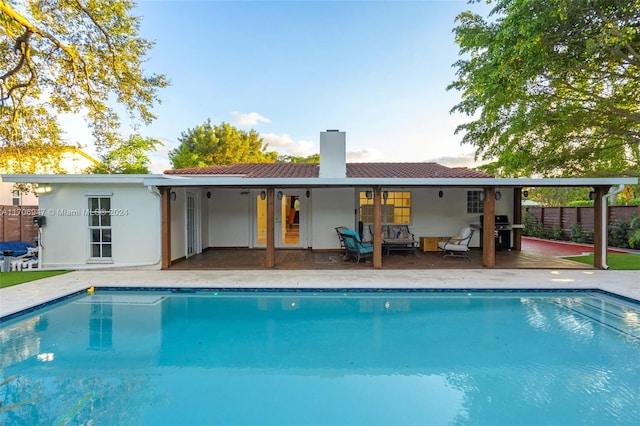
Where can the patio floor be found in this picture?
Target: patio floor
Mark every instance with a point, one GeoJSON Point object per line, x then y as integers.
{"type": "Point", "coordinates": [535, 254]}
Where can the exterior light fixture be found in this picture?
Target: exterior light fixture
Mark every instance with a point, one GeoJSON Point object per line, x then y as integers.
{"type": "Point", "coordinates": [440, 194]}
{"type": "Point", "coordinates": [279, 195]}
{"type": "Point", "coordinates": [208, 194]}
{"type": "Point", "coordinates": [173, 195]}
{"type": "Point", "coordinates": [592, 195]}
{"type": "Point", "coordinates": [498, 195]}
{"type": "Point", "coordinates": [385, 195]}
{"type": "Point", "coordinates": [368, 195]}
{"type": "Point", "coordinates": [525, 193]}
{"type": "Point", "coordinates": [481, 195]}
{"type": "Point", "coordinates": [308, 193]}
{"type": "Point", "coordinates": [263, 195]}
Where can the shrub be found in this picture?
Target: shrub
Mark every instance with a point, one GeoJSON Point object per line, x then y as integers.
{"type": "Point", "coordinates": [581, 203]}
{"type": "Point", "coordinates": [619, 231]}
{"type": "Point", "coordinates": [578, 234]}
{"type": "Point", "coordinates": [634, 232]}
{"type": "Point", "coordinates": [557, 233]}
{"type": "Point", "coordinates": [532, 226]}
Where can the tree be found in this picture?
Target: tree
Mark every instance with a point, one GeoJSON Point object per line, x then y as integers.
{"type": "Point", "coordinates": [313, 158]}
{"type": "Point", "coordinates": [553, 86]}
{"type": "Point", "coordinates": [129, 156]}
{"type": "Point", "coordinates": [68, 56]}
{"type": "Point", "coordinates": [558, 196]}
{"type": "Point", "coordinates": [207, 145]}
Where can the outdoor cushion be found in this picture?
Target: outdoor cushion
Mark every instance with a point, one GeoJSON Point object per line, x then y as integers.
{"type": "Point", "coordinates": [465, 232]}
{"type": "Point", "coordinates": [353, 233]}
{"type": "Point", "coordinates": [366, 248]}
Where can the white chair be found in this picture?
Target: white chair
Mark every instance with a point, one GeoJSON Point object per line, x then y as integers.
{"type": "Point", "coordinates": [458, 245]}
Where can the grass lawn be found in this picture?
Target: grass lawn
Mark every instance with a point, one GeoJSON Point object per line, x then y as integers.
{"type": "Point", "coordinates": [7, 279]}
{"type": "Point", "coordinates": [616, 261]}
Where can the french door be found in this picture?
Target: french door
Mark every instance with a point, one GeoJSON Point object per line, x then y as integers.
{"type": "Point", "coordinates": [193, 237]}
{"type": "Point", "coordinates": [290, 221]}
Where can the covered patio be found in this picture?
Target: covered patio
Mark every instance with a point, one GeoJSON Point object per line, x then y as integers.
{"type": "Point", "coordinates": [533, 255]}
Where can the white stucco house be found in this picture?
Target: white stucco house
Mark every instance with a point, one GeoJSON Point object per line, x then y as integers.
{"type": "Point", "coordinates": [152, 221]}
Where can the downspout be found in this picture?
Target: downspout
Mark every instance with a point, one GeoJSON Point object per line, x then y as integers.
{"type": "Point", "coordinates": [605, 204]}
{"type": "Point", "coordinates": [154, 190]}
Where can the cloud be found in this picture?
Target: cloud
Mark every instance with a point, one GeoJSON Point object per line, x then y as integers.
{"type": "Point", "coordinates": [367, 155]}
{"type": "Point", "coordinates": [283, 144]}
{"type": "Point", "coordinates": [462, 160]}
{"type": "Point", "coordinates": [250, 119]}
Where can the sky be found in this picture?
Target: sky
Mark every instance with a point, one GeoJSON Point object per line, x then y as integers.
{"type": "Point", "coordinates": [377, 70]}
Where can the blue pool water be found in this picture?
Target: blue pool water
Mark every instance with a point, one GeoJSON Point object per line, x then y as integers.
{"type": "Point", "coordinates": [323, 358]}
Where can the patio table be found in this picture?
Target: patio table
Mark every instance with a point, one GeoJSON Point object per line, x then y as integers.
{"type": "Point", "coordinates": [400, 244]}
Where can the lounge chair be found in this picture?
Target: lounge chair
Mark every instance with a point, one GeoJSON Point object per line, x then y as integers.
{"type": "Point", "coordinates": [458, 245]}
{"type": "Point", "coordinates": [354, 248]}
{"type": "Point", "coordinates": [29, 260]}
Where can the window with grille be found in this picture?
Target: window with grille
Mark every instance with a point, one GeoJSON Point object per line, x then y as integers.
{"type": "Point", "coordinates": [396, 207]}
{"type": "Point", "coordinates": [15, 198]}
{"type": "Point", "coordinates": [474, 201]}
{"type": "Point", "coordinates": [100, 227]}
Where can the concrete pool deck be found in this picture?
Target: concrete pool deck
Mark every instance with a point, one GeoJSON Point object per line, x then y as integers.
{"type": "Point", "coordinates": [25, 296]}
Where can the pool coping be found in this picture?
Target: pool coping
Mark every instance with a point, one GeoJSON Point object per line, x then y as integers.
{"type": "Point", "coordinates": [26, 296]}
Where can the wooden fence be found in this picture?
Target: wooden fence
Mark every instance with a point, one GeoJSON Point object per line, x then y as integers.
{"type": "Point", "coordinates": [563, 217]}
{"type": "Point", "coordinates": [16, 223]}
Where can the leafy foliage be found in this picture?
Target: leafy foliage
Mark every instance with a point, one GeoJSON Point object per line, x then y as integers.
{"type": "Point", "coordinates": [557, 233]}
{"type": "Point", "coordinates": [129, 156]}
{"type": "Point", "coordinates": [581, 203]}
{"type": "Point", "coordinates": [208, 145]}
{"type": "Point", "coordinates": [68, 56]}
{"type": "Point", "coordinates": [553, 86]}
{"type": "Point", "coordinates": [532, 226]}
{"type": "Point", "coordinates": [313, 158]}
{"type": "Point", "coordinates": [634, 235]}
{"type": "Point", "coordinates": [579, 234]}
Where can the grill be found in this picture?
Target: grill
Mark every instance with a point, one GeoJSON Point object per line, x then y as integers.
{"type": "Point", "coordinates": [502, 232]}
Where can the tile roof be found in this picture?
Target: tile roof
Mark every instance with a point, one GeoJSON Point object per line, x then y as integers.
{"type": "Point", "coordinates": [354, 170]}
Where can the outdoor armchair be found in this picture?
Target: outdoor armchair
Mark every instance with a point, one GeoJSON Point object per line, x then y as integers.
{"type": "Point", "coordinates": [354, 248]}
{"type": "Point", "coordinates": [458, 245]}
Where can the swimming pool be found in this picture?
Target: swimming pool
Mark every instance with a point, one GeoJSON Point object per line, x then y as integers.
{"type": "Point", "coordinates": [323, 358]}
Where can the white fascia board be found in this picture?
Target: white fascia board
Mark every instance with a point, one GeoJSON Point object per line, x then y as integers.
{"type": "Point", "coordinates": [538, 182]}
{"type": "Point", "coordinates": [383, 182]}
{"type": "Point", "coordinates": [239, 181]}
{"type": "Point", "coordinates": [75, 178]}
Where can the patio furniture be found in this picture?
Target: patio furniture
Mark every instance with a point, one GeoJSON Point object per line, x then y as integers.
{"type": "Point", "coordinates": [339, 231]}
{"type": "Point", "coordinates": [354, 248]}
{"type": "Point", "coordinates": [397, 238]}
{"type": "Point", "coordinates": [458, 245]}
{"type": "Point", "coordinates": [29, 260]}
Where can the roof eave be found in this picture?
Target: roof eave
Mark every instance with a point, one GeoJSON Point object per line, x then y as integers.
{"type": "Point", "coordinates": [238, 181]}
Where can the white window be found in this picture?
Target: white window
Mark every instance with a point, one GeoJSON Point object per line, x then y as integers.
{"type": "Point", "coordinates": [15, 198]}
{"type": "Point", "coordinates": [396, 207]}
{"type": "Point", "coordinates": [474, 202]}
{"type": "Point", "coordinates": [100, 228]}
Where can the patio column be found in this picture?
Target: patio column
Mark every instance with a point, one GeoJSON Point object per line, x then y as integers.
{"type": "Point", "coordinates": [165, 227]}
{"type": "Point", "coordinates": [600, 239]}
{"type": "Point", "coordinates": [271, 234]}
{"type": "Point", "coordinates": [517, 219]}
{"type": "Point", "coordinates": [377, 227]}
{"type": "Point", "coordinates": [488, 228]}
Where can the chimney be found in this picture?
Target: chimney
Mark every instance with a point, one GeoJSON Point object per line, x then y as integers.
{"type": "Point", "coordinates": [333, 154]}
